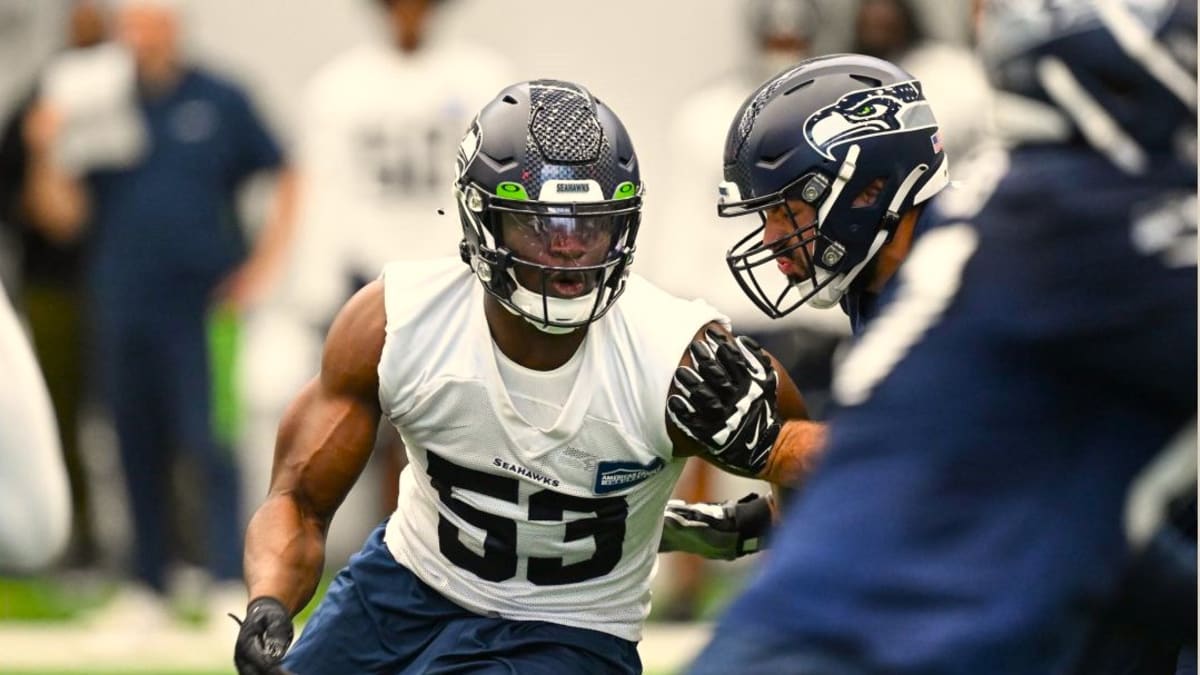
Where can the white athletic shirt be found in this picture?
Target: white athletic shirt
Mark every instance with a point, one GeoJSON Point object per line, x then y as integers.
{"type": "Point", "coordinates": [538, 395]}
{"type": "Point", "coordinates": [35, 504]}
{"type": "Point", "coordinates": [377, 142]}
{"type": "Point", "coordinates": [557, 524]}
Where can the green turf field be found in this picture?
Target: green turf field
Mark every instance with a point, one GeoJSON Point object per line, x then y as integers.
{"type": "Point", "coordinates": [44, 631]}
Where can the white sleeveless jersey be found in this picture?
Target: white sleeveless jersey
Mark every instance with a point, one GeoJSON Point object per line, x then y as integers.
{"type": "Point", "coordinates": [506, 519]}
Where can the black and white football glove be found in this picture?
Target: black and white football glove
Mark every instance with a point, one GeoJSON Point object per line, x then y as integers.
{"type": "Point", "coordinates": [263, 638]}
{"type": "Point", "coordinates": [722, 531]}
{"type": "Point", "coordinates": [726, 401]}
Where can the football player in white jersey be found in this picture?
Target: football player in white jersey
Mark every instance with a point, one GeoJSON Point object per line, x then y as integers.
{"type": "Point", "coordinates": [533, 407]}
{"type": "Point", "coordinates": [35, 504]}
{"type": "Point", "coordinates": [375, 142]}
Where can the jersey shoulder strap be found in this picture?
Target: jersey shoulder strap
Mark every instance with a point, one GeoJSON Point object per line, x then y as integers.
{"type": "Point", "coordinates": [429, 306]}
{"type": "Point", "coordinates": [647, 335]}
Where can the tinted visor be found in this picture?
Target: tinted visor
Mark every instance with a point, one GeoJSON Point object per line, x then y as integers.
{"type": "Point", "coordinates": [569, 254]}
{"type": "Point", "coordinates": [561, 240]}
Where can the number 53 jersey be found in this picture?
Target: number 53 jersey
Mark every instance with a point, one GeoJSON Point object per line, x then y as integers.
{"type": "Point", "coordinates": [511, 519]}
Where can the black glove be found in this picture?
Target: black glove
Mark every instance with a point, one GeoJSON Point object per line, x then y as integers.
{"type": "Point", "coordinates": [722, 531]}
{"type": "Point", "coordinates": [264, 638]}
{"type": "Point", "coordinates": [726, 401]}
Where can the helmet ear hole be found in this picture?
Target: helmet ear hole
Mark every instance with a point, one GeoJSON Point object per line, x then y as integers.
{"type": "Point", "coordinates": [870, 194]}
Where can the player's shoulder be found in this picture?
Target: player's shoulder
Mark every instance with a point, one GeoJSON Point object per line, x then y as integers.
{"type": "Point", "coordinates": [643, 300]}
{"type": "Point", "coordinates": [658, 322]}
{"type": "Point", "coordinates": [414, 289]}
{"type": "Point", "coordinates": [1049, 192]}
{"type": "Point", "coordinates": [354, 344]}
{"type": "Point", "coordinates": [997, 188]}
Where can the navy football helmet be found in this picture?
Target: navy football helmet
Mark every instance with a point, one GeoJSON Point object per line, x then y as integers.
{"type": "Point", "coordinates": [1119, 75]}
{"type": "Point", "coordinates": [546, 167]}
{"type": "Point", "coordinates": [823, 132]}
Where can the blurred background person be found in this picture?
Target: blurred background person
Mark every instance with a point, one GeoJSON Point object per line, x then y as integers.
{"type": "Point", "coordinates": [378, 130]}
{"type": "Point", "coordinates": [953, 78]}
{"type": "Point", "coordinates": [163, 248]}
{"type": "Point", "coordinates": [686, 228]}
{"type": "Point", "coordinates": [46, 288]}
{"type": "Point", "coordinates": [35, 509]}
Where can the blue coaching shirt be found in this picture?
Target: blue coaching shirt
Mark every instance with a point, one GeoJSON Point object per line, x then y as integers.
{"type": "Point", "coordinates": [967, 516]}
{"type": "Point", "coordinates": [165, 230]}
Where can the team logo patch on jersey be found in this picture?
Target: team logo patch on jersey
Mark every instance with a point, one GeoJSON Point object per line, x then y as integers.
{"type": "Point", "coordinates": [867, 113]}
{"type": "Point", "coordinates": [613, 476]}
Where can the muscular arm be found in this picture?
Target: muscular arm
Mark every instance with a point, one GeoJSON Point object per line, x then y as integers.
{"type": "Point", "coordinates": [799, 440]}
{"type": "Point", "coordinates": [721, 400]}
{"type": "Point", "coordinates": [795, 452]}
{"type": "Point", "coordinates": [325, 439]}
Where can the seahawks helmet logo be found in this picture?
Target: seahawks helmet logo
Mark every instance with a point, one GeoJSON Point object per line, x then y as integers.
{"type": "Point", "coordinates": [867, 113]}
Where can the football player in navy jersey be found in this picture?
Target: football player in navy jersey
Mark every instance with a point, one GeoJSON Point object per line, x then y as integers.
{"type": "Point", "coordinates": [1032, 355]}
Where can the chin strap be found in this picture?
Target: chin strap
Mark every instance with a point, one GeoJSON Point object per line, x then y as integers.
{"type": "Point", "coordinates": [528, 305]}
{"type": "Point", "coordinates": [832, 291]}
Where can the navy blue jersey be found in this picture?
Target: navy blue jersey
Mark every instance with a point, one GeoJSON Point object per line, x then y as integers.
{"type": "Point", "coordinates": [1036, 349]}
{"type": "Point", "coordinates": [164, 229]}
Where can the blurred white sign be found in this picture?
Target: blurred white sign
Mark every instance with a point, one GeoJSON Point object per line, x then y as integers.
{"type": "Point", "coordinates": [94, 90]}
